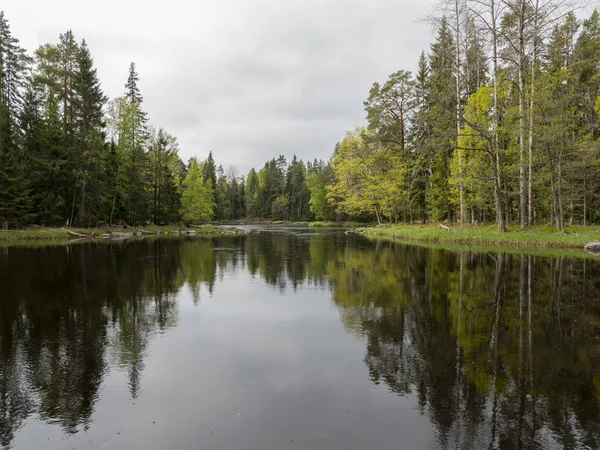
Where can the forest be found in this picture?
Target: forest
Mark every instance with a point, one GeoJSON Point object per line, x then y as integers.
{"type": "Point", "coordinates": [498, 124]}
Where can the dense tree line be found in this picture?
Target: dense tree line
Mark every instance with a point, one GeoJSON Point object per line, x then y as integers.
{"type": "Point", "coordinates": [68, 155]}
{"type": "Point", "coordinates": [499, 123]}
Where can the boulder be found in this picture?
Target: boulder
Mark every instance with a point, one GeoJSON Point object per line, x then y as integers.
{"type": "Point", "coordinates": [593, 247]}
{"type": "Point", "coordinates": [175, 232]}
{"type": "Point", "coordinates": [191, 232]}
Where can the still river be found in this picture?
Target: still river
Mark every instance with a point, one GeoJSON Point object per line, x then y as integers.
{"type": "Point", "coordinates": [296, 339]}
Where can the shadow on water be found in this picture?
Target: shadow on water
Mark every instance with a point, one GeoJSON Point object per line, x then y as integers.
{"type": "Point", "coordinates": [501, 350]}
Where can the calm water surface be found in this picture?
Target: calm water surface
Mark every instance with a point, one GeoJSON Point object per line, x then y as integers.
{"type": "Point", "coordinates": [296, 339]}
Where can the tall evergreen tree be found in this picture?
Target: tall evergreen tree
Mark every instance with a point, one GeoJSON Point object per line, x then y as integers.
{"type": "Point", "coordinates": [92, 154]}
{"type": "Point", "coordinates": [441, 120]}
{"type": "Point", "coordinates": [16, 201]}
{"type": "Point", "coordinates": [134, 96]}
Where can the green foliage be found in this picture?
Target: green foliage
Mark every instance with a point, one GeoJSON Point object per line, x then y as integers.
{"type": "Point", "coordinates": [448, 140]}
{"type": "Point", "coordinates": [318, 179]}
{"type": "Point", "coordinates": [164, 177]}
{"type": "Point", "coordinates": [197, 200]}
{"type": "Point", "coordinates": [368, 176]}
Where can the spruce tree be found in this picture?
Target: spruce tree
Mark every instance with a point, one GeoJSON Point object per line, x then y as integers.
{"type": "Point", "coordinates": [133, 94]}
{"type": "Point", "coordinates": [441, 121]}
{"type": "Point", "coordinates": [15, 194]}
{"type": "Point", "coordinates": [209, 173]}
{"type": "Point", "coordinates": [92, 156]}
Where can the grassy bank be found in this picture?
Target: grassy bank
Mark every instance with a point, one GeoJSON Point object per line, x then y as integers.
{"type": "Point", "coordinates": [539, 236]}
{"type": "Point", "coordinates": [339, 224]}
{"type": "Point", "coordinates": [295, 224]}
{"type": "Point", "coordinates": [55, 235]}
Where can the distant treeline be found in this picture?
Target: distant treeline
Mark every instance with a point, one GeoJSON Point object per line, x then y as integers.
{"type": "Point", "coordinates": [499, 123]}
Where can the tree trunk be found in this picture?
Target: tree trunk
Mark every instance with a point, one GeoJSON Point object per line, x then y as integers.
{"type": "Point", "coordinates": [553, 204]}
{"type": "Point", "coordinates": [112, 210]}
{"type": "Point", "coordinates": [73, 204]}
{"type": "Point", "coordinates": [584, 202]}
{"type": "Point", "coordinates": [522, 112]}
{"type": "Point", "coordinates": [560, 215]}
{"type": "Point", "coordinates": [82, 205]}
{"type": "Point", "coordinates": [461, 186]}
{"type": "Point", "coordinates": [531, 105]}
{"type": "Point", "coordinates": [497, 193]}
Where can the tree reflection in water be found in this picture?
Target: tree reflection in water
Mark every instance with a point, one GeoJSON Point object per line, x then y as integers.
{"type": "Point", "coordinates": [501, 350]}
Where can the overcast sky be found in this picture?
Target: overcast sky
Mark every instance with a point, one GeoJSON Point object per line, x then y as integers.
{"type": "Point", "coordinates": [247, 79]}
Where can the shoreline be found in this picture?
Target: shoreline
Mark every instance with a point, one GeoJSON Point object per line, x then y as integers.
{"type": "Point", "coordinates": [538, 237]}
{"type": "Point", "coordinates": [574, 237]}
{"type": "Point", "coordinates": [50, 235]}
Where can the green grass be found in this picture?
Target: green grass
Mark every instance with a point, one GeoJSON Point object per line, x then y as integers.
{"type": "Point", "coordinates": [339, 224]}
{"type": "Point", "coordinates": [539, 236]}
{"type": "Point", "coordinates": [44, 236]}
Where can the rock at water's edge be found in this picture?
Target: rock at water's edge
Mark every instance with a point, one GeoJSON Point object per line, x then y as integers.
{"type": "Point", "coordinates": [593, 247]}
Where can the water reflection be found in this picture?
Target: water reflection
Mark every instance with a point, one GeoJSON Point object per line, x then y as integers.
{"type": "Point", "coordinates": [501, 350]}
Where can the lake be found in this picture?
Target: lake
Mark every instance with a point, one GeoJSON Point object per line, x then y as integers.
{"type": "Point", "coordinates": [296, 338]}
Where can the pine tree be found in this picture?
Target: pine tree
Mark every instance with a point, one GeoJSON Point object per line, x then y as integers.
{"type": "Point", "coordinates": [389, 109]}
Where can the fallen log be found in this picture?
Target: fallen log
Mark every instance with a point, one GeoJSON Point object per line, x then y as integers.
{"type": "Point", "coordinates": [76, 234]}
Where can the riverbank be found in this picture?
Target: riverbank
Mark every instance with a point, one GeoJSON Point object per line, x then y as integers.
{"type": "Point", "coordinates": [538, 236]}
{"type": "Point", "coordinates": [323, 224]}
{"type": "Point", "coordinates": [44, 234]}
{"type": "Point", "coordinates": [339, 224]}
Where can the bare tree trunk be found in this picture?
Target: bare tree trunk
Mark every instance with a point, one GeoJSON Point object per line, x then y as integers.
{"type": "Point", "coordinates": [522, 112]}
{"type": "Point", "coordinates": [82, 205]}
{"type": "Point", "coordinates": [531, 105]}
{"type": "Point", "coordinates": [457, 12]}
{"type": "Point", "coordinates": [553, 213]}
{"type": "Point", "coordinates": [73, 204]}
{"type": "Point", "coordinates": [584, 201]}
{"type": "Point", "coordinates": [112, 210]}
{"type": "Point", "coordinates": [497, 193]}
{"type": "Point", "coordinates": [560, 214]}
{"type": "Point", "coordinates": [496, 166]}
